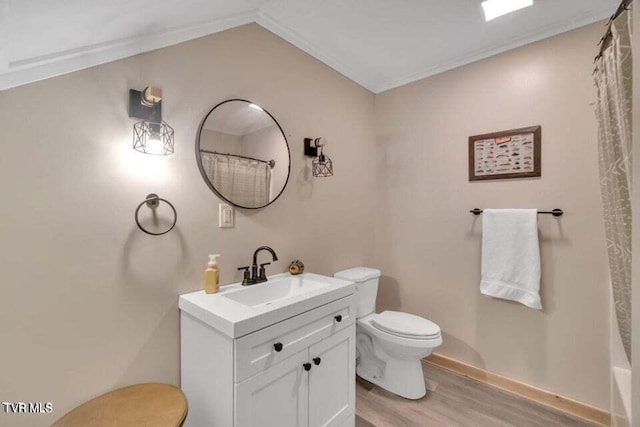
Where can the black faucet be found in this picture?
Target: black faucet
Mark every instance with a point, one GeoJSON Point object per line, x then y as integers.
{"type": "Point", "coordinates": [257, 276]}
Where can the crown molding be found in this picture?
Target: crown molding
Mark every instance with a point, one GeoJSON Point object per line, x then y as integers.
{"type": "Point", "coordinates": [268, 22]}
{"type": "Point", "coordinates": [33, 69]}
{"type": "Point", "coordinates": [546, 32]}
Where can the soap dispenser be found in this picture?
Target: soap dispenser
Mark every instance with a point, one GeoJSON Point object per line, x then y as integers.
{"type": "Point", "coordinates": [212, 275]}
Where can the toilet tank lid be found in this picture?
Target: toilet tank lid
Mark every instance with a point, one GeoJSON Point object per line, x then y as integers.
{"type": "Point", "coordinates": [358, 274]}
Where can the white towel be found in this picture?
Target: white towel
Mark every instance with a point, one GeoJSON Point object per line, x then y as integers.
{"type": "Point", "coordinates": [511, 255]}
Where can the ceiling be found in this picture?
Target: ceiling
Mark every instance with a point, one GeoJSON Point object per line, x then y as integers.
{"type": "Point", "coordinates": [380, 44]}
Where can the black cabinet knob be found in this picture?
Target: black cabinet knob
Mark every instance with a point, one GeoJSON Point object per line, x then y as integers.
{"type": "Point", "coordinates": [317, 360]}
{"type": "Point", "coordinates": [306, 366]}
{"type": "Point", "coordinates": [277, 346]}
{"type": "Point", "coordinates": [338, 318]}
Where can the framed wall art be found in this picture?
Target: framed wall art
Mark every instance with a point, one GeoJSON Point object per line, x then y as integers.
{"type": "Point", "coordinates": [508, 154]}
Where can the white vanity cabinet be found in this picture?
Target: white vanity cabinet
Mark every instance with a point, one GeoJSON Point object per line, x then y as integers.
{"type": "Point", "coordinates": [299, 371]}
{"type": "Point", "coordinates": [288, 395]}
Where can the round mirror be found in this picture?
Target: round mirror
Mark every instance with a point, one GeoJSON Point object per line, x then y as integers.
{"type": "Point", "coordinates": [242, 154]}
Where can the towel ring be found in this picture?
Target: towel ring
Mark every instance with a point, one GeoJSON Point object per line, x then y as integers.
{"type": "Point", "coordinates": [153, 201]}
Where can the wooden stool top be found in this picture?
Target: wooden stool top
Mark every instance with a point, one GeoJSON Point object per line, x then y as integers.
{"type": "Point", "coordinates": [140, 405]}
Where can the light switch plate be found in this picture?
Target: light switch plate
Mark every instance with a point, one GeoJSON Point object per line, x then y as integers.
{"type": "Point", "coordinates": [225, 215]}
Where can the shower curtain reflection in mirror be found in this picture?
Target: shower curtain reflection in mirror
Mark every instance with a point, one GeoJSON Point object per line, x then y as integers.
{"type": "Point", "coordinates": [246, 182]}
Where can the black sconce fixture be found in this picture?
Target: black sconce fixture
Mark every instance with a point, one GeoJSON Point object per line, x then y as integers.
{"type": "Point", "coordinates": [152, 135]}
{"type": "Point", "coordinates": [322, 164]}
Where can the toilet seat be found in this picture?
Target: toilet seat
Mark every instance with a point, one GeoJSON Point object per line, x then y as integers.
{"type": "Point", "coordinates": [366, 324]}
{"type": "Point", "coordinates": [405, 325]}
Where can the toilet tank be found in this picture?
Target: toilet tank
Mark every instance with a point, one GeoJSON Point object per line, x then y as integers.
{"type": "Point", "coordinates": [366, 280]}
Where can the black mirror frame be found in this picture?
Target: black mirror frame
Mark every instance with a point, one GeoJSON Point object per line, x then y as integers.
{"type": "Point", "coordinates": [206, 178]}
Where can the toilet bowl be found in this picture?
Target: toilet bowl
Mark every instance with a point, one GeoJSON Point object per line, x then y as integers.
{"type": "Point", "coordinates": [391, 344]}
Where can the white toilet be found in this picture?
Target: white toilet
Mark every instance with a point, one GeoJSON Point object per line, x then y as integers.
{"type": "Point", "coordinates": [391, 344]}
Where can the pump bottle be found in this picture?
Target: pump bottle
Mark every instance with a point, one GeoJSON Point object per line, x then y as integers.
{"type": "Point", "coordinates": [212, 276]}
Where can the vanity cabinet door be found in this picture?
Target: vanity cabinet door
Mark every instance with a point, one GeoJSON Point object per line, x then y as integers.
{"type": "Point", "coordinates": [332, 380]}
{"type": "Point", "coordinates": [278, 396]}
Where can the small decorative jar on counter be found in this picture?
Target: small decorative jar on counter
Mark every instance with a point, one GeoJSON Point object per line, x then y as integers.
{"type": "Point", "coordinates": [296, 267]}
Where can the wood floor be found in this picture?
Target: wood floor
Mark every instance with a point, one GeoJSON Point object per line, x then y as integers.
{"type": "Point", "coordinates": [453, 400]}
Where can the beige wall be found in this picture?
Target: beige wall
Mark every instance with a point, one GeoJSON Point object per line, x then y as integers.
{"type": "Point", "coordinates": [267, 144]}
{"type": "Point", "coordinates": [89, 302]}
{"type": "Point", "coordinates": [214, 140]}
{"type": "Point", "coordinates": [428, 244]}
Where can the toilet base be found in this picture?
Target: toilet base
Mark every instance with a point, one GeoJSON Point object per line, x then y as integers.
{"type": "Point", "coordinates": [402, 377]}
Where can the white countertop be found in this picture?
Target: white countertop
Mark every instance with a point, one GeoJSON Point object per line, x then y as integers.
{"type": "Point", "coordinates": [235, 319]}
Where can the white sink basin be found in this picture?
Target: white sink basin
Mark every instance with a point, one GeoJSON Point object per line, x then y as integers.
{"type": "Point", "coordinates": [276, 289]}
{"type": "Point", "coordinates": [238, 310]}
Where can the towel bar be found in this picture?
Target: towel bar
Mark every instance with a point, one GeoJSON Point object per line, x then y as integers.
{"type": "Point", "coordinates": [554, 212]}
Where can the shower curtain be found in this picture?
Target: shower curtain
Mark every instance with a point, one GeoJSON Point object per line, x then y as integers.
{"type": "Point", "coordinates": [244, 182]}
{"type": "Point", "coordinates": [613, 111]}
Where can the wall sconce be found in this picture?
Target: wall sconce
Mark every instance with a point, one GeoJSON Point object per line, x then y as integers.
{"type": "Point", "coordinates": [152, 135]}
{"type": "Point", "coordinates": [322, 164]}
